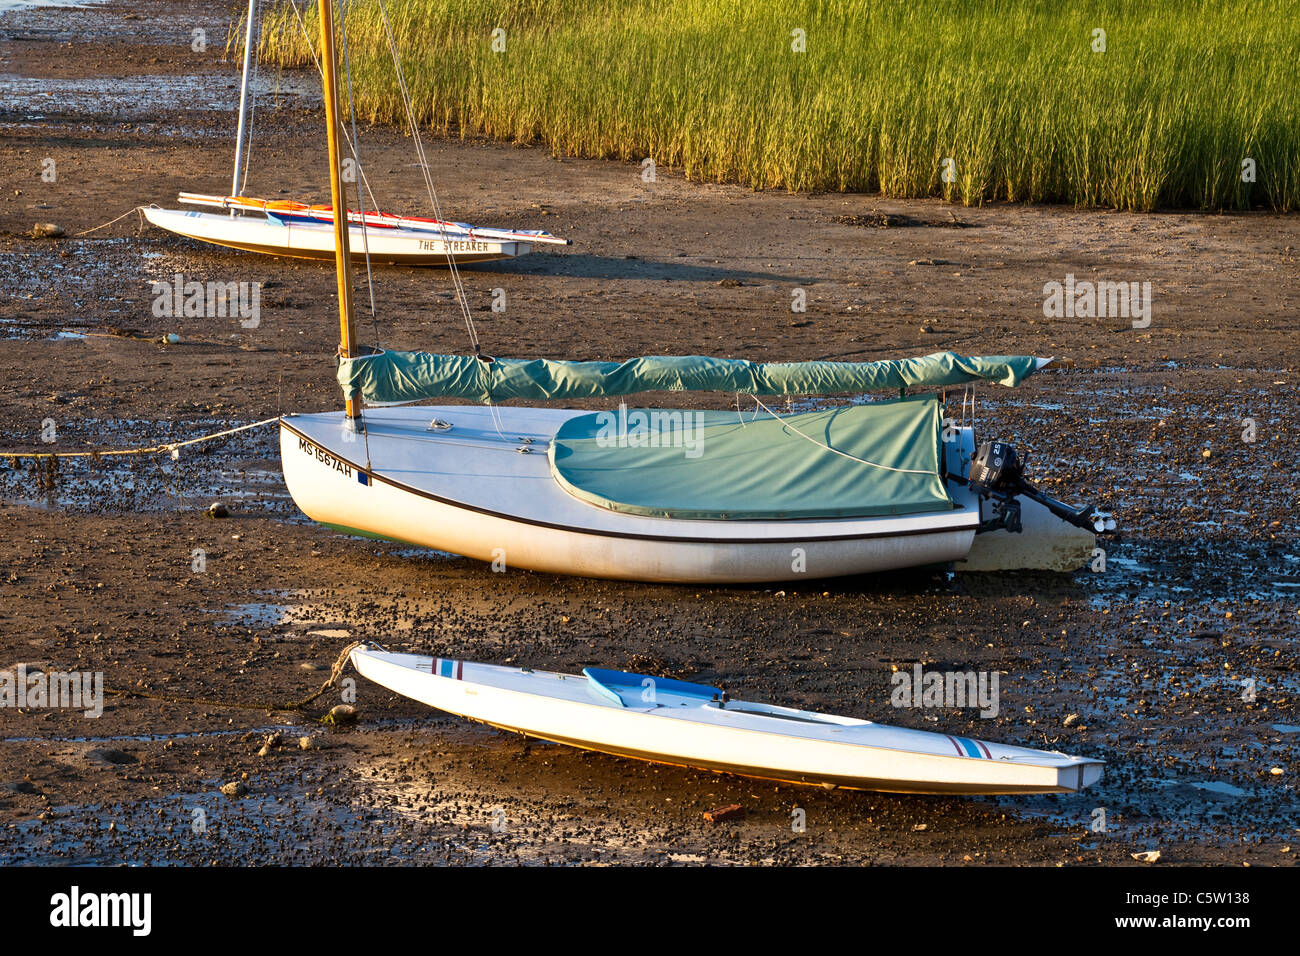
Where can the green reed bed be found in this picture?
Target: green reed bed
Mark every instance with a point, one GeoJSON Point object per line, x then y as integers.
{"type": "Point", "coordinates": [1011, 91]}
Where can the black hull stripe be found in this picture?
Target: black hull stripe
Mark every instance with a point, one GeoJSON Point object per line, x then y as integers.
{"type": "Point", "coordinates": [618, 534]}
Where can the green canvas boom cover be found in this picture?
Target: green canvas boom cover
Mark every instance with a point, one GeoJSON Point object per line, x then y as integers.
{"type": "Point", "coordinates": [718, 465]}
{"type": "Point", "coordinates": [388, 377]}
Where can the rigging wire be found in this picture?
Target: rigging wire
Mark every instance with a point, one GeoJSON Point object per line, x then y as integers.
{"type": "Point", "coordinates": [361, 200]}
{"type": "Point", "coordinates": [302, 25]}
{"type": "Point", "coordinates": [423, 162]}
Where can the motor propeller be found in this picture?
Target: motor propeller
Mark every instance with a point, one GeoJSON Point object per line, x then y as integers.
{"type": "Point", "coordinates": [998, 474]}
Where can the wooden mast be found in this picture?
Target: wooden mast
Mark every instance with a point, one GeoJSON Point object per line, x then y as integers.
{"type": "Point", "coordinates": [342, 255]}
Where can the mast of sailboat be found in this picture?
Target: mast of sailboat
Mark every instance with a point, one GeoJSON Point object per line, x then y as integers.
{"type": "Point", "coordinates": [242, 134]}
{"type": "Point", "coordinates": [342, 259]}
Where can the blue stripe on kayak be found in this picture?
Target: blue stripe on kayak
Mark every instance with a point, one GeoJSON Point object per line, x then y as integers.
{"type": "Point", "coordinates": [969, 747]}
{"type": "Point", "coordinates": [446, 668]}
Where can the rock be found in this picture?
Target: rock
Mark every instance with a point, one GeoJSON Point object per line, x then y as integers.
{"type": "Point", "coordinates": [218, 510]}
{"type": "Point", "coordinates": [236, 788]}
{"type": "Point", "coordinates": [107, 755]}
{"type": "Point", "coordinates": [340, 714]}
{"type": "Point", "coordinates": [1072, 719]}
{"type": "Point", "coordinates": [1146, 856]}
{"type": "Point", "coordinates": [272, 741]}
{"type": "Point", "coordinates": [46, 230]}
{"type": "Point", "coordinates": [306, 743]}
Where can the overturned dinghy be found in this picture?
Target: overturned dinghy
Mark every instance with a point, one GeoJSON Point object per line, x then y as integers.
{"type": "Point", "coordinates": [656, 494]}
{"type": "Point", "coordinates": [694, 725]}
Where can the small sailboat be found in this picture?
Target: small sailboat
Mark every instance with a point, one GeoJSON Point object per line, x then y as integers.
{"type": "Point", "coordinates": [698, 726]}
{"type": "Point", "coordinates": [661, 494]}
{"type": "Point", "coordinates": [305, 231]}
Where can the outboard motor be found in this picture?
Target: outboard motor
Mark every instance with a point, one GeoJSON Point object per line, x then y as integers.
{"type": "Point", "coordinates": [996, 473]}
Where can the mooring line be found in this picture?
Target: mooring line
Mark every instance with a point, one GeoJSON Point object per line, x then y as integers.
{"type": "Point", "coordinates": [152, 449]}
{"type": "Point", "coordinates": [111, 221]}
{"type": "Point", "coordinates": [336, 672]}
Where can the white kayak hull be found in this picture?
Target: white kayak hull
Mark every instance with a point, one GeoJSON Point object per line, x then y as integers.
{"type": "Point", "coordinates": [471, 491]}
{"type": "Point", "coordinates": [315, 240]}
{"type": "Point", "coordinates": [647, 718]}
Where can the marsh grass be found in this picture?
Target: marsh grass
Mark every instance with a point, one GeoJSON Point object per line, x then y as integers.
{"type": "Point", "coordinates": [1010, 90]}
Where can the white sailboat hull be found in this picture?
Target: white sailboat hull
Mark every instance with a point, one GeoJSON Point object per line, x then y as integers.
{"type": "Point", "coordinates": [754, 740]}
{"type": "Point", "coordinates": [471, 491]}
{"type": "Point", "coordinates": [312, 240]}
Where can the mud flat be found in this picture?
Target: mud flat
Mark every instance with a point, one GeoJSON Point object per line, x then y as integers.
{"type": "Point", "coordinates": [1144, 664]}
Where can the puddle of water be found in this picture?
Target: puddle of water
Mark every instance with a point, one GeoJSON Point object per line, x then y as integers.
{"type": "Point", "coordinates": [239, 470]}
{"type": "Point", "coordinates": [7, 6]}
{"type": "Point", "coordinates": [143, 97]}
{"type": "Point", "coordinates": [150, 738]}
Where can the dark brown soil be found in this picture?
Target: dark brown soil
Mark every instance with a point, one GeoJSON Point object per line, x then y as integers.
{"type": "Point", "coordinates": [97, 562]}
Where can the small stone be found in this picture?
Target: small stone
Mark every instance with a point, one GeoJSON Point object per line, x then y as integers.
{"type": "Point", "coordinates": [46, 230]}
{"type": "Point", "coordinates": [218, 510]}
{"type": "Point", "coordinates": [236, 788]}
{"type": "Point", "coordinates": [306, 743]}
{"type": "Point", "coordinates": [1073, 718]}
{"type": "Point", "coordinates": [1146, 856]}
{"type": "Point", "coordinates": [340, 714]}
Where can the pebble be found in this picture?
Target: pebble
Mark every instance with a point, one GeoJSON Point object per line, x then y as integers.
{"type": "Point", "coordinates": [236, 788]}
{"type": "Point", "coordinates": [340, 714]}
{"type": "Point", "coordinates": [47, 230]}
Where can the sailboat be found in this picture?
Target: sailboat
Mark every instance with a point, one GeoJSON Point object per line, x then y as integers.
{"type": "Point", "coordinates": [667, 495]}
{"type": "Point", "coordinates": [306, 231]}
{"type": "Point", "coordinates": [661, 720]}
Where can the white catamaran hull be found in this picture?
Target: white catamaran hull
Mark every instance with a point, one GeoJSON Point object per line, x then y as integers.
{"type": "Point", "coordinates": [312, 240]}
{"type": "Point", "coordinates": [471, 491]}
{"type": "Point", "coordinates": [686, 728]}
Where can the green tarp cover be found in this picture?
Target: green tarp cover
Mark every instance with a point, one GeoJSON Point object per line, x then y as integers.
{"type": "Point", "coordinates": [681, 466]}
{"type": "Point", "coordinates": [389, 377]}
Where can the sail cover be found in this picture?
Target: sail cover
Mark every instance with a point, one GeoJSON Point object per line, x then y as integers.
{"type": "Point", "coordinates": [859, 461]}
{"type": "Point", "coordinates": [389, 377]}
